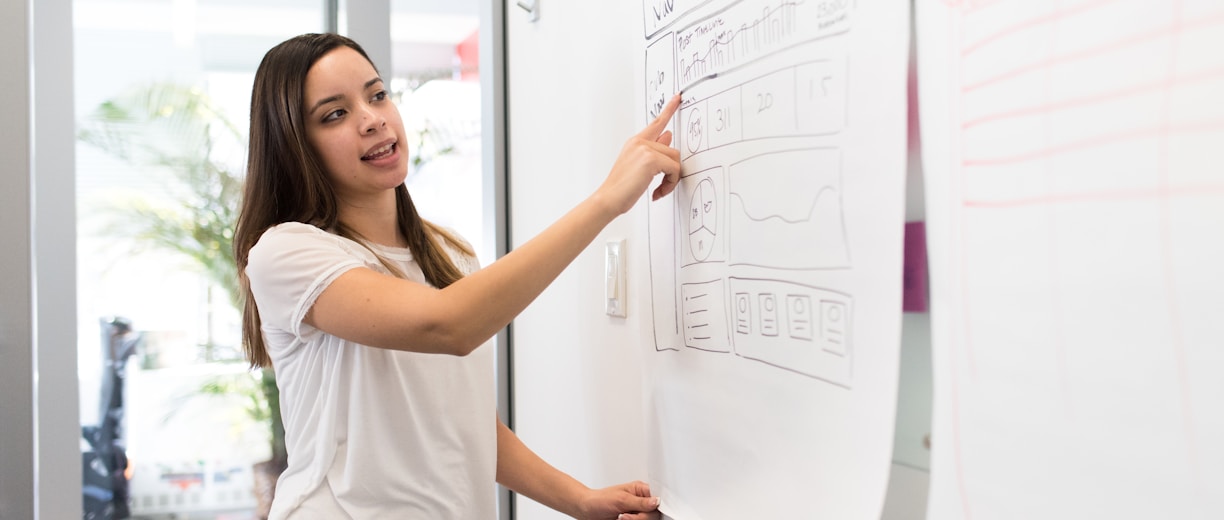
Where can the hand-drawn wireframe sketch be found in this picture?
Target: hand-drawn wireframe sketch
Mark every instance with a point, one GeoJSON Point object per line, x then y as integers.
{"type": "Point", "coordinates": [775, 265]}
{"type": "Point", "coordinates": [750, 203]}
{"type": "Point", "coordinates": [771, 317]}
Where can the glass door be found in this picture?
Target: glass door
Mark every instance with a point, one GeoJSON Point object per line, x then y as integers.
{"type": "Point", "coordinates": [173, 422]}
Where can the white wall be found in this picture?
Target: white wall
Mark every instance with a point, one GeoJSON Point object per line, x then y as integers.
{"type": "Point", "coordinates": [577, 372]}
{"type": "Point", "coordinates": [16, 286]}
{"type": "Point", "coordinates": [40, 471]}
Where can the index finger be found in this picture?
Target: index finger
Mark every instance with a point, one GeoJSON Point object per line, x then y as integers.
{"type": "Point", "coordinates": [655, 127]}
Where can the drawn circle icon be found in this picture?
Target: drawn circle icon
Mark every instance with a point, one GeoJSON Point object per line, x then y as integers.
{"type": "Point", "coordinates": [834, 314]}
{"type": "Point", "coordinates": [703, 220]}
{"type": "Point", "coordinates": [693, 140]}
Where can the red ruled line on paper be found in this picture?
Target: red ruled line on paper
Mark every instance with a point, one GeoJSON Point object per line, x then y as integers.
{"type": "Point", "coordinates": [1156, 193]}
{"type": "Point", "coordinates": [1034, 22]}
{"type": "Point", "coordinates": [1214, 125]}
{"type": "Point", "coordinates": [1099, 50]}
{"type": "Point", "coordinates": [959, 245]}
{"type": "Point", "coordinates": [1177, 335]}
{"type": "Point", "coordinates": [975, 6]}
{"type": "Point", "coordinates": [1147, 88]}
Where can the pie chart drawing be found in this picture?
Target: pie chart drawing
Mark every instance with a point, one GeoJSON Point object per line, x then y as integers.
{"type": "Point", "coordinates": [703, 220]}
{"type": "Point", "coordinates": [693, 142]}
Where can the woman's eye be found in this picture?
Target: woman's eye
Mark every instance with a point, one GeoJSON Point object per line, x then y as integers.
{"type": "Point", "coordinates": [333, 115]}
{"type": "Point", "coordinates": [380, 95]}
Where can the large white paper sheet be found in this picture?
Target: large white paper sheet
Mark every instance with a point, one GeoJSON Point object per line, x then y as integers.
{"type": "Point", "coordinates": [1074, 160]}
{"type": "Point", "coordinates": [776, 265]}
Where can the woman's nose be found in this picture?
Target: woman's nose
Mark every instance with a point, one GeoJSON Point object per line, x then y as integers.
{"type": "Point", "coordinates": [371, 121]}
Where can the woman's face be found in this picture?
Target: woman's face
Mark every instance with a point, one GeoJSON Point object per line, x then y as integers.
{"type": "Point", "coordinates": [354, 127]}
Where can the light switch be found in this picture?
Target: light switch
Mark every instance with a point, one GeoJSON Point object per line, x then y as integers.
{"type": "Point", "coordinates": [614, 278]}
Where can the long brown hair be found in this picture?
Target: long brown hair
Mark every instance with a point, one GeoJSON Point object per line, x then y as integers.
{"type": "Point", "coordinates": [286, 180]}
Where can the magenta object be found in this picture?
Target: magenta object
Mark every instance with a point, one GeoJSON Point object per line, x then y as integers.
{"type": "Point", "coordinates": [914, 295]}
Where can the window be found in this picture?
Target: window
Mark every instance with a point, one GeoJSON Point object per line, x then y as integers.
{"type": "Point", "coordinates": [180, 397]}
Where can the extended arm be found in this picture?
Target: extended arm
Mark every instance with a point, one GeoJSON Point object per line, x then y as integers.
{"type": "Point", "coordinates": [524, 472]}
{"type": "Point", "coordinates": [382, 311]}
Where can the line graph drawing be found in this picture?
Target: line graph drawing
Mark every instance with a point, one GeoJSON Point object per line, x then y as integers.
{"type": "Point", "coordinates": [802, 227]}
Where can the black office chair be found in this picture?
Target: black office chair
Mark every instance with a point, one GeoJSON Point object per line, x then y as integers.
{"type": "Point", "coordinates": [105, 489]}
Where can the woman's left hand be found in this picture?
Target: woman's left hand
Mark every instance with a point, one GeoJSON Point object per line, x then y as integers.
{"type": "Point", "coordinates": [629, 501]}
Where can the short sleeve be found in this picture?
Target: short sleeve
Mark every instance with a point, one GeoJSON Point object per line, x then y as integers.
{"type": "Point", "coordinates": [466, 263]}
{"type": "Point", "coordinates": [289, 267]}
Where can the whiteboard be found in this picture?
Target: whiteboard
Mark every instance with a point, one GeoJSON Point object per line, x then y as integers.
{"type": "Point", "coordinates": [1075, 204]}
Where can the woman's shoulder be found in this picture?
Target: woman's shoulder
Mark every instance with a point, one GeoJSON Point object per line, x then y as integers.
{"type": "Point", "coordinates": [294, 229]}
{"type": "Point", "coordinates": [459, 249]}
{"type": "Point", "coordinates": [298, 236]}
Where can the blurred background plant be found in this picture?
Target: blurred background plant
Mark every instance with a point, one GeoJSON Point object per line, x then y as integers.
{"type": "Point", "coordinates": [178, 137]}
{"type": "Point", "coordinates": [174, 132]}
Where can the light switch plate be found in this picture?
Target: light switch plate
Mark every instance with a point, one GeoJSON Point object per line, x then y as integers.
{"type": "Point", "coordinates": [614, 278]}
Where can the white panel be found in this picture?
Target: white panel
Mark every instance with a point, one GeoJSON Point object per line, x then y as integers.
{"type": "Point", "coordinates": [59, 434]}
{"type": "Point", "coordinates": [577, 371]}
{"type": "Point", "coordinates": [17, 397]}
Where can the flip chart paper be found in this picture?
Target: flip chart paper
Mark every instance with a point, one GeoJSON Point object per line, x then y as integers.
{"type": "Point", "coordinates": [776, 265]}
{"type": "Point", "coordinates": [1075, 203]}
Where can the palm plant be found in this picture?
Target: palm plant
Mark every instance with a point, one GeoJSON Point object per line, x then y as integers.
{"type": "Point", "coordinates": [178, 134]}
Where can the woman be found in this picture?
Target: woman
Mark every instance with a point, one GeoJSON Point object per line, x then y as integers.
{"type": "Point", "coordinates": [374, 318]}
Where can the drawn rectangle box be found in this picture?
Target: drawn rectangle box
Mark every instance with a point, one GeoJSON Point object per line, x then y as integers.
{"type": "Point", "coordinates": [658, 14]}
{"type": "Point", "coordinates": [693, 129]}
{"type": "Point", "coordinates": [743, 313]}
{"type": "Point", "coordinates": [833, 326]}
{"type": "Point", "coordinates": [699, 202]}
{"type": "Point", "coordinates": [793, 326]}
{"type": "Point", "coordinates": [820, 97]}
{"type": "Point", "coordinates": [799, 318]}
{"type": "Point", "coordinates": [784, 211]}
{"type": "Point", "coordinates": [704, 316]}
{"type": "Point", "coordinates": [768, 310]}
{"type": "Point", "coordinates": [660, 74]}
{"type": "Point", "coordinates": [725, 116]}
{"type": "Point", "coordinates": [768, 105]}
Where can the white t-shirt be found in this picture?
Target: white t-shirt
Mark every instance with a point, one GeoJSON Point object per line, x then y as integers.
{"type": "Point", "coordinates": [371, 433]}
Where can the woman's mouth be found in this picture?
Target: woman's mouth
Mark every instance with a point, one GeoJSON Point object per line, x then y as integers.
{"type": "Point", "coordinates": [379, 153]}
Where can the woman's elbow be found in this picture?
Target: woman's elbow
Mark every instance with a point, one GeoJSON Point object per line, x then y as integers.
{"type": "Point", "coordinates": [452, 339]}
